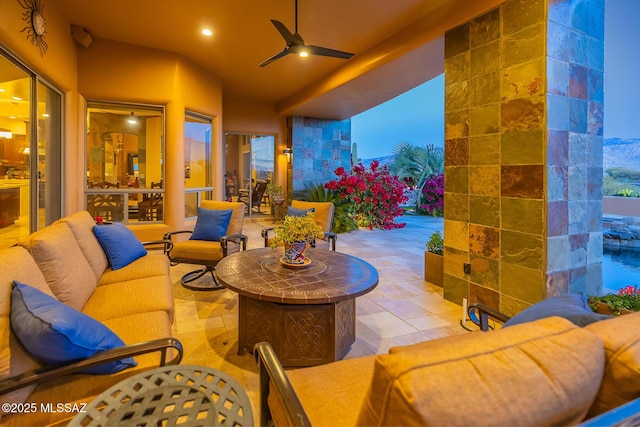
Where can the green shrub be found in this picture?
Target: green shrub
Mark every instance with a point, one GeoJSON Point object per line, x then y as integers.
{"type": "Point", "coordinates": [436, 243]}
{"type": "Point", "coordinates": [343, 221]}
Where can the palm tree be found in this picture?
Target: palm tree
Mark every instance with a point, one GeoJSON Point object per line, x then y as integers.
{"type": "Point", "coordinates": [418, 162]}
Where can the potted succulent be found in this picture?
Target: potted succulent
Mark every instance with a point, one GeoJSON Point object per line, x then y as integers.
{"type": "Point", "coordinates": [295, 232]}
{"type": "Point", "coordinates": [434, 259]}
{"type": "Point", "coordinates": [626, 301]}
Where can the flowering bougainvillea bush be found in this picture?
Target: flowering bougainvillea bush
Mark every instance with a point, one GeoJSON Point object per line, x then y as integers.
{"type": "Point", "coordinates": [376, 195]}
{"type": "Point", "coordinates": [432, 201]}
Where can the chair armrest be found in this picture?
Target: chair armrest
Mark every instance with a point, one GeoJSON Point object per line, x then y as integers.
{"type": "Point", "coordinates": [480, 313]}
{"type": "Point", "coordinates": [167, 244]}
{"type": "Point", "coordinates": [51, 372]}
{"type": "Point", "coordinates": [172, 233]}
{"type": "Point", "coordinates": [331, 238]}
{"type": "Point", "coordinates": [271, 372]}
{"type": "Point", "coordinates": [265, 235]}
{"type": "Point", "coordinates": [224, 242]}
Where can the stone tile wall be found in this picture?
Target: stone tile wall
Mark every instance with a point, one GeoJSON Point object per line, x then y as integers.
{"type": "Point", "coordinates": [320, 146]}
{"type": "Point", "coordinates": [522, 174]}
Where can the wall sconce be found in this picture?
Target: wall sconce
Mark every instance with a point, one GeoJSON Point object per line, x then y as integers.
{"type": "Point", "coordinates": [287, 151]}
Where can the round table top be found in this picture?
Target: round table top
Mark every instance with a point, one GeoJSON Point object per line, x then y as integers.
{"type": "Point", "coordinates": [330, 277]}
{"type": "Point", "coordinates": [171, 395]}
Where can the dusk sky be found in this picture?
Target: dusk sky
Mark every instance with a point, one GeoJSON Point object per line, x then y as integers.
{"type": "Point", "coordinates": [418, 115]}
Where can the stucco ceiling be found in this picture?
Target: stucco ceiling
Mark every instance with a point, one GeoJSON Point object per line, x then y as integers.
{"type": "Point", "coordinates": [397, 45]}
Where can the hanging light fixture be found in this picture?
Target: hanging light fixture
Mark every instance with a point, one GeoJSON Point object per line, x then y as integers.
{"type": "Point", "coordinates": [132, 120]}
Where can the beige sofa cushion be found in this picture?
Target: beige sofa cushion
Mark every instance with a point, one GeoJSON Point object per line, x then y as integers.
{"type": "Point", "coordinates": [130, 297]}
{"type": "Point", "coordinates": [150, 265]}
{"type": "Point", "coordinates": [17, 264]}
{"type": "Point", "coordinates": [330, 394]}
{"type": "Point", "coordinates": [62, 263]}
{"type": "Point", "coordinates": [237, 216]}
{"type": "Point", "coordinates": [539, 373]}
{"type": "Point", "coordinates": [81, 224]}
{"type": "Point", "coordinates": [80, 388]}
{"type": "Point", "coordinates": [621, 381]}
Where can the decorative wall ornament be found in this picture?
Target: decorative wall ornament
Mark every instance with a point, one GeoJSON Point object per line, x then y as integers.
{"type": "Point", "coordinates": [36, 27]}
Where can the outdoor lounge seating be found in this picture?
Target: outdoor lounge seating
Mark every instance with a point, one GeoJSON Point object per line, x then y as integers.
{"type": "Point", "coordinates": [323, 214]}
{"type": "Point", "coordinates": [257, 196]}
{"type": "Point", "coordinates": [66, 268]}
{"type": "Point", "coordinates": [210, 246]}
{"type": "Point", "coordinates": [543, 372]}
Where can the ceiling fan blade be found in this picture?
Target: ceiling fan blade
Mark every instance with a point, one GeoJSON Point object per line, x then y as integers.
{"type": "Point", "coordinates": [286, 51]}
{"type": "Point", "coordinates": [323, 51]}
{"type": "Point", "coordinates": [284, 32]}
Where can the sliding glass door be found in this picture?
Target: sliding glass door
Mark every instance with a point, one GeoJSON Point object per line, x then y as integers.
{"type": "Point", "coordinates": [249, 166]}
{"type": "Point", "coordinates": [30, 151]}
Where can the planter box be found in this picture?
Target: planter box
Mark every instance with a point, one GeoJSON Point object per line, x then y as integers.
{"type": "Point", "coordinates": [603, 308]}
{"type": "Point", "coordinates": [433, 268]}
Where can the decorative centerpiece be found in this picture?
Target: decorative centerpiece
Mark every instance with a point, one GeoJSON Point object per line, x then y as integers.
{"type": "Point", "coordinates": [295, 233]}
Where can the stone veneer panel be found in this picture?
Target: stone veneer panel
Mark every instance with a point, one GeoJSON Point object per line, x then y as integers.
{"type": "Point", "coordinates": [320, 146]}
{"type": "Point", "coordinates": [523, 148]}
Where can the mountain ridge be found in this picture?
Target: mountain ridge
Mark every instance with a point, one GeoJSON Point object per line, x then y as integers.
{"type": "Point", "coordinates": [616, 152]}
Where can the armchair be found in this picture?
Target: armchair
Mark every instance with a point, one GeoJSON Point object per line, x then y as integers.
{"type": "Point", "coordinates": [257, 196]}
{"type": "Point", "coordinates": [207, 252]}
{"type": "Point", "coordinates": [324, 218]}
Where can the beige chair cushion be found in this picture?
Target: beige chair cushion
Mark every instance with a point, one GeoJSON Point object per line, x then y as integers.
{"type": "Point", "coordinates": [124, 298]}
{"type": "Point", "coordinates": [79, 388]}
{"type": "Point", "coordinates": [330, 394]}
{"type": "Point", "coordinates": [150, 265]}
{"type": "Point", "coordinates": [538, 373]}
{"type": "Point", "coordinates": [323, 214]}
{"type": "Point", "coordinates": [621, 381]}
{"type": "Point", "coordinates": [81, 224]}
{"type": "Point", "coordinates": [62, 263]}
{"type": "Point", "coordinates": [17, 264]}
{"type": "Point", "coordinates": [237, 216]}
{"type": "Point", "coordinates": [197, 250]}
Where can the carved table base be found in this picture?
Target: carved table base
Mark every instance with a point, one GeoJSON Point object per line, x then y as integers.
{"type": "Point", "coordinates": [300, 334]}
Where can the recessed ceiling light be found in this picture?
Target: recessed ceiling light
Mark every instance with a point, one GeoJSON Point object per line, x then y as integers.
{"type": "Point", "coordinates": [45, 115]}
{"type": "Point", "coordinates": [16, 98]}
{"type": "Point", "coordinates": [2, 90]}
{"type": "Point", "coordinates": [207, 32]}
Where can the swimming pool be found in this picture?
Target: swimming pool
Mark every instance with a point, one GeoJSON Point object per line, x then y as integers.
{"type": "Point", "coordinates": [620, 267]}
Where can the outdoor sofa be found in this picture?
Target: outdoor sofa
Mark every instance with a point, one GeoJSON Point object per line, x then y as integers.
{"type": "Point", "coordinates": [541, 372]}
{"type": "Point", "coordinates": [67, 262]}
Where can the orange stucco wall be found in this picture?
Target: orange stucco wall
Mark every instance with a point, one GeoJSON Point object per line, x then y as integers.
{"type": "Point", "coordinates": [112, 71]}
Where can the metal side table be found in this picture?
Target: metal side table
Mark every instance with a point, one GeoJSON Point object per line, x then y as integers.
{"type": "Point", "coordinates": [184, 395]}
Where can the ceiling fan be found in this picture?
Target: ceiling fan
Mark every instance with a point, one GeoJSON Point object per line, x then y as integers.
{"type": "Point", "coordinates": [295, 44]}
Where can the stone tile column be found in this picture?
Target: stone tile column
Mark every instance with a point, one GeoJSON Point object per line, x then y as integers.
{"type": "Point", "coordinates": [523, 153]}
{"type": "Point", "coordinates": [319, 146]}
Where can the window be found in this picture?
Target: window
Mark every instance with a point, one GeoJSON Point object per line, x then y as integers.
{"type": "Point", "coordinates": [125, 162]}
{"type": "Point", "coordinates": [198, 176]}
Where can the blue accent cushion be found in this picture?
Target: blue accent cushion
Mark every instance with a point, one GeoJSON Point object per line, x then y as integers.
{"type": "Point", "coordinates": [299, 212]}
{"type": "Point", "coordinates": [573, 307]}
{"type": "Point", "coordinates": [211, 225]}
{"type": "Point", "coordinates": [54, 332]}
{"type": "Point", "coordinates": [120, 245]}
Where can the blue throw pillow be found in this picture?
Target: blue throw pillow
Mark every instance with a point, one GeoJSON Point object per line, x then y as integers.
{"type": "Point", "coordinates": [299, 212]}
{"type": "Point", "coordinates": [54, 332]}
{"type": "Point", "coordinates": [211, 225]}
{"type": "Point", "coordinates": [572, 307]}
{"type": "Point", "coordinates": [120, 245]}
